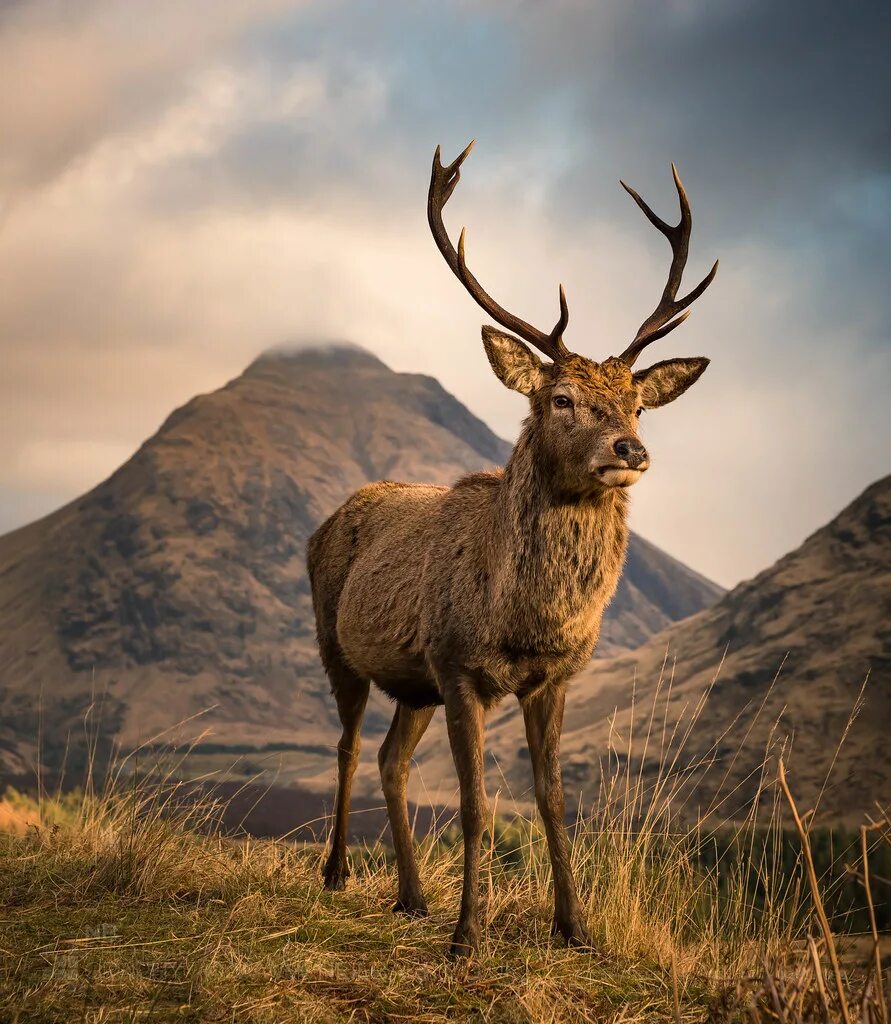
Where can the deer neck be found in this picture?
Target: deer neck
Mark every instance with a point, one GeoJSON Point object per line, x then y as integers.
{"type": "Point", "coordinates": [557, 560]}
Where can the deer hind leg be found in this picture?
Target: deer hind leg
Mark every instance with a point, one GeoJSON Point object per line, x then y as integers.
{"type": "Point", "coordinates": [351, 694]}
{"type": "Point", "coordinates": [409, 725]}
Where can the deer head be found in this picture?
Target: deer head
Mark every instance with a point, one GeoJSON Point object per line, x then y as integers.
{"type": "Point", "coordinates": [586, 414]}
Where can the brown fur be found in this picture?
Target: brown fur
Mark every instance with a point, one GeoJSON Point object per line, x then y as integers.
{"type": "Point", "coordinates": [461, 596]}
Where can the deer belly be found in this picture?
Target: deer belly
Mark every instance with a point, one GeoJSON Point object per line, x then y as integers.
{"type": "Point", "coordinates": [377, 632]}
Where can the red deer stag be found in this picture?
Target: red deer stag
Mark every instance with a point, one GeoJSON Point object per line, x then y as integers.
{"type": "Point", "coordinates": [460, 596]}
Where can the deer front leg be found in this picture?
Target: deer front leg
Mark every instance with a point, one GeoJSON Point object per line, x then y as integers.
{"type": "Point", "coordinates": [543, 715]}
{"type": "Point", "coordinates": [464, 716]}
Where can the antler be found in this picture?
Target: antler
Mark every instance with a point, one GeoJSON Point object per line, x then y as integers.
{"type": "Point", "coordinates": [442, 184]}
{"type": "Point", "coordinates": [660, 322]}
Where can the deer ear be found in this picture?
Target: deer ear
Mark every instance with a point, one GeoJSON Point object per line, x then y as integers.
{"type": "Point", "coordinates": [664, 382]}
{"type": "Point", "coordinates": [514, 364]}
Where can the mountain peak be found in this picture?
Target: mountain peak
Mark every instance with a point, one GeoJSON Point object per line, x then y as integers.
{"type": "Point", "coordinates": [288, 358]}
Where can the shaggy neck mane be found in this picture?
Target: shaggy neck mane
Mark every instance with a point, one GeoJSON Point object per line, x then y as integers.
{"type": "Point", "coordinates": [559, 554]}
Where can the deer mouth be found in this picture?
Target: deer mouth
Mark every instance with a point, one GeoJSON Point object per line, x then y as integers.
{"type": "Point", "coordinates": [619, 476]}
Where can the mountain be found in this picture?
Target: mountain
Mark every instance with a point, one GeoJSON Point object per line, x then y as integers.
{"type": "Point", "coordinates": [796, 642]}
{"type": "Point", "coordinates": [178, 584]}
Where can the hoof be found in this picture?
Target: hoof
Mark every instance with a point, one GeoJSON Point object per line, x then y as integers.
{"type": "Point", "coordinates": [465, 943]}
{"type": "Point", "coordinates": [575, 934]}
{"type": "Point", "coordinates": [411, 908]}
{"type": "Point", "coordinates": [335, 876]}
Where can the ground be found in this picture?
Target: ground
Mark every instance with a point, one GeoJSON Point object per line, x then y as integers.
{"type": "Point", "coordinates": [129, 905]}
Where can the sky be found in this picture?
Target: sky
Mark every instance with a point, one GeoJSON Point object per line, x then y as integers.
{"type": "Point", "coordinates": [185, 185]}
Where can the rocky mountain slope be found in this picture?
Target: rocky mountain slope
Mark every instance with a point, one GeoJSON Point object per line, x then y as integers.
{"type": "Point", "coordinates": [178, 584]}
{"type": "Point", "coordinates": [785, 656]}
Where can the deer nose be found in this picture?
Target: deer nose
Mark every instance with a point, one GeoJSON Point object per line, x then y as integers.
{"type": "Point", "coordinates": [631, 450]}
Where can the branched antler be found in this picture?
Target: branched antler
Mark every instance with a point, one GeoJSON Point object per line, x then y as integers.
{"type": "Point", "coordinates": [443, 180]}
{"type": "Point", "coordinates": [664, 317]}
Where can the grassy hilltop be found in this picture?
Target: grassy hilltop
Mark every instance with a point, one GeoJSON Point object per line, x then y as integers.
{"type": "Point", "coordinates": [130, 905]}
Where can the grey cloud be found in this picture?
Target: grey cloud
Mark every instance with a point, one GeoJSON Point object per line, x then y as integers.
{"type": "Point", "coordinates": [774, 113]}
{"type": "Point", "coordinates": [76, 73]}
{"type": "Point", "coordinates": [752, 89]}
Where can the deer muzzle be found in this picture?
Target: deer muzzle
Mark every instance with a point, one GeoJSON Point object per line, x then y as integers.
{"type": "Point", "coordinates": [631, 462]}
{"type": "Point", "coordinates": [631, 453]}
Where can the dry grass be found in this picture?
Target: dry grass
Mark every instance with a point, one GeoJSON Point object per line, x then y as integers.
{"type": "Point", "coordinates": [105, 927]}
{"type": "Point", "coordinates": [130, 912]}
{"type": "Point", "coordinates": [129, 904]}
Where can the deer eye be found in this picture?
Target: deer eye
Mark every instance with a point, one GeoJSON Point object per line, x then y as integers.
{"type": "Point", "coordinates": [562, 402]}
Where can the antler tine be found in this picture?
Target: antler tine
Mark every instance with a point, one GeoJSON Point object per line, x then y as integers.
{"type": "Point", "coordinates": [664, 317]}
{"type": "Point", "coordinates": [443, 180]}
{"type": "Point", "coordinates": [452, 173]}
{"type": "Point", "coordinates": [563, 322]}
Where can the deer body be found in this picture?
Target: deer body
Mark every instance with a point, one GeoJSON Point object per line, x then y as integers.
{"type": "Point", "coordinates": [495, 578]}
{"type": "Point", "coordinates": [461, 596]}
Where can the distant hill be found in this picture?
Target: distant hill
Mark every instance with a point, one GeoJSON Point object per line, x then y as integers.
{"type": "Point", "coordinates": [178, 584]}
{"type": "Point", "coordinates": [818, 621]}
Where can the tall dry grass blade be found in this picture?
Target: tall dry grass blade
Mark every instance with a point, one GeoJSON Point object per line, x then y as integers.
{"type": "Point", "coordinates": [743, 743]}
{"type": "Point", "coordinates": [852, 717]}
{"type": "Point", "coordinates": [876, 951]}
{"type": "Point", "coordinates": [815, 895]}
{"type": "Point", "coordinates": [676, 999]}
{"type": "Point", "coordinates": [821, 983]}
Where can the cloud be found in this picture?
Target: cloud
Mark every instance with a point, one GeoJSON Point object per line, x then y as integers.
{"type": "Point", "coordinates": [188, 184]}
{"type": "Point", "coordinates": [78, 72]}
